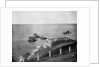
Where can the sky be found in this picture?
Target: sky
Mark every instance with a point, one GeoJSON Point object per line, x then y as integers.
{"type": "Point", "coordinates": [44, 17]}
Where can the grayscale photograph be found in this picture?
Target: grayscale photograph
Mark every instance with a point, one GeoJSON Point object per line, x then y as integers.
{"type": "Point", "coordinates": [44, 36]}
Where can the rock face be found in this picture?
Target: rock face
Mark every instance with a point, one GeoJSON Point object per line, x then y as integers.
{"type": "Point", "coordinates": [50, 48]}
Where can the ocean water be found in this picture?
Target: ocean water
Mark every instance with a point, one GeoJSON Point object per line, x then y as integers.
{"type": "Point", "coordinates": [21, 32]}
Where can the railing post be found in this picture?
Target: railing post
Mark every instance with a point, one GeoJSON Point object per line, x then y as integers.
{"type": "Point", "coordinates": [60, 51]}
{"type": "Point", "coordinates": [69, 48]}
{"type": "Point", "coordinates": [49, 54]}
{"type": "Point", "coordinates": [38, 58]}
